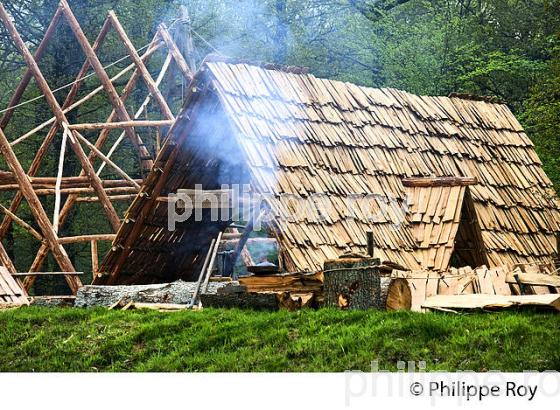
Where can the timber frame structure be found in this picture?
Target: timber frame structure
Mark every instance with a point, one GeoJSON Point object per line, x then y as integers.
{"type": "Point", "coordinates": [29, 187]}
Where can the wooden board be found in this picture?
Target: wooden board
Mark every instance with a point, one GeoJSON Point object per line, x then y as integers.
{"type": "Point", "coordinates": [491, 301]}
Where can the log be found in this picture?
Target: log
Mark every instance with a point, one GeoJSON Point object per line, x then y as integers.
{"type": "Point", "coordinates": [121, 124]}
{"type": "Point", "coordinates": [179, 292]}
{"type": "Point", "coordinates": [398, 294]}
{"type": "Point", "coordinates": [353, 284]}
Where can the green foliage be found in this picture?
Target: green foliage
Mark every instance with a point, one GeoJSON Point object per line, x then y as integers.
{"type": "Point", "coordinates": [34, 339]}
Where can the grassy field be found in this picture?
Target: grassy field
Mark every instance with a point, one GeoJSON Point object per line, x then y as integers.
{"type": "Point", "coordinates": [40, 339]}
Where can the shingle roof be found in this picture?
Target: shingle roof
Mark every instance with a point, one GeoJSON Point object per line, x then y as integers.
{"type": "Point", "coordinates": [300, 136]}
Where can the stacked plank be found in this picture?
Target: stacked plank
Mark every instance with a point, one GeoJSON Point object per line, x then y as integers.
{"type": "Point", "coordinates": [11, 293]}
{"type": "Point", "coordinates": [431, 290]}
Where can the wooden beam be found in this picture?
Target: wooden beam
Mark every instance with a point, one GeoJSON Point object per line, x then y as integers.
{"type": "Point", "coordinates": [114, 97]}
{"type": "Point", "coordinates": [22, 223]}
{"type": "Point", "coordinates": [25, 274]}
{"type": "Point", "coordinates": [177, 56]}
{"type": "Point", "coordinates": [122, 124]}
{"type": "Point", "coordinates": [86, 238]}
{"type": "Point", "coordinates": [154, 90]}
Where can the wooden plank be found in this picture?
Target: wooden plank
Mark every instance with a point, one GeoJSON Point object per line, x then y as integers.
{"type": "Point", "coordinates": [537, 279]}
{"type": "Point", "coordinates": [491, 301]}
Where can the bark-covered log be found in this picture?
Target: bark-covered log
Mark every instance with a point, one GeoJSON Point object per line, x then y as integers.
{"type": "Point", "coordinates": [353, 283]}
{"type": "Point", "coordinates": [264, 301]}
{"type": "Point", "coordinates": [177, 292]}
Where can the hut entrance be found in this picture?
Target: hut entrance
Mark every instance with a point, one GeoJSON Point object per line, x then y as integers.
{"type": "Point", "coordinates": [469, 247]}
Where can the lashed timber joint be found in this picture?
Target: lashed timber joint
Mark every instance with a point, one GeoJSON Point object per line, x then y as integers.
{"type": "Point", "coordinates": [28, 187]}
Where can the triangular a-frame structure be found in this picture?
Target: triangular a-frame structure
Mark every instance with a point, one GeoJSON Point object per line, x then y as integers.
{"type": "Point", "coordinates": [88, 182]}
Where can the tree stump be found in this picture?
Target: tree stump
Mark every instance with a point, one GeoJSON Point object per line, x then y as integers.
{"type": "Point", "coordinates": [353, 283]}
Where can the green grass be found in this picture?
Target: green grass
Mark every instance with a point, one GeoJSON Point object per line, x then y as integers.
{"type": "Point", "coordinates": [40, 339]}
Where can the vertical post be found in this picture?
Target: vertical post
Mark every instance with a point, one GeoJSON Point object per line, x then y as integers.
{"type": "Point", "coordinates": [370, 244]}
{"type": "Point", "coordinates": [188, 48]}
{"type": "Point", "coordinates": [94, 259]}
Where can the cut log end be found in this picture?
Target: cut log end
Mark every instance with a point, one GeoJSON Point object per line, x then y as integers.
{"type": "Point", "coordinates": [399, 295]}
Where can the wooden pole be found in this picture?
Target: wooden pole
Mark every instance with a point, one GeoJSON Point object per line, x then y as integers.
{"type": "Point", "coordinates": [154, 90]}
{"type": "Point", "coordinates": [114, 97]}
{"type": "Point", "coordinates": [59, 179]}
{"type": "Point", "coordinates": [202, 273]}
{"type": "Point", "coordinates": [212, 262]}
{"type": "Point", "coordinates": [86, 238]}
{"type": "Point", "coordinates": [22, 223]}
{"type": "Point", "coordinates": [177, 56]}
{"type": "Point", "coordinates": [117, 125]}
{"type": "Point", "coordinates": [189, 47]}
{"type": "Point", "coordinates": [94, 259]}
{"type": "Point", "coordinates": [61, 117]}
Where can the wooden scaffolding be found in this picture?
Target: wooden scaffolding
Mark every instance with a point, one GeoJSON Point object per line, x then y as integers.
{"type": "Point", "coordinates": [88, 186]}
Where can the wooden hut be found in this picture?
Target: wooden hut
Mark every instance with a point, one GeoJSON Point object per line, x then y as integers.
{"type": "Point", "coordinates": [456, 181]}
